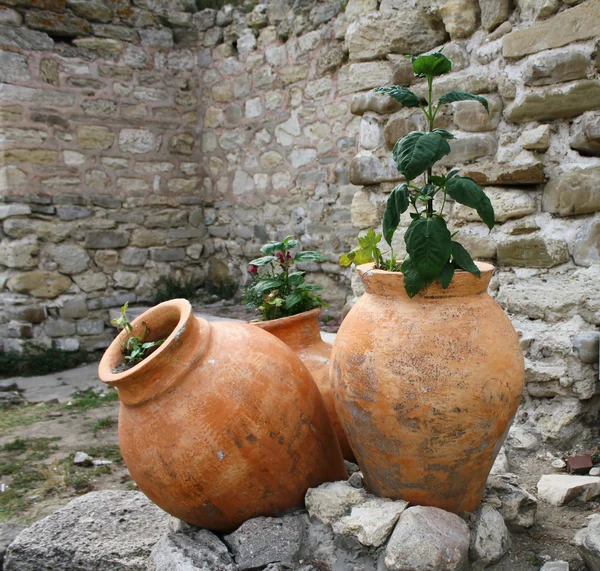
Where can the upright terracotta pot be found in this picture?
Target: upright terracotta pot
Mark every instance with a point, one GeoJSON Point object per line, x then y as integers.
{"type": "Point", "coordinates": [222, 423]}
{"type": "Point", "coordinates": [427, 387]}
{"type": "Point", "coordinates": [301, 333]}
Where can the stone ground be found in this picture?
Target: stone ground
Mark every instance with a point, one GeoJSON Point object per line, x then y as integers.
{"type": "Point", "coordinates": [75, 412]}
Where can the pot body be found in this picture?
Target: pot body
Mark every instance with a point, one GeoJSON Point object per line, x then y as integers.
{"type": "Point", "coordinates": [222, 423]}
{"type": "Point", "coordinates": [302, 334]}
{"type": "Point", "coordinates": [426, 388]}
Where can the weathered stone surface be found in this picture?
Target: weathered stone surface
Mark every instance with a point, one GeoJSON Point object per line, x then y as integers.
{"type": "Point", "coordinates": [8, 210]}
{"type": "Point", "coordinates": [361, 76]}
{"type": "Point", "coordinates": [128, 523]}
{"type": "Point", "coordinates": [556, 67]}
{"type": "Point", "coordinates": [469, 147]}
{"type": "Point", "coordinates": [137, 141]}
{"type": "Point", "coordinates": [59, 328]}
{"type": "Point", "coordinates": [586, 250]}
{"type": "Point", "coordinates": [472, 116]}
{"type": "Point", "coordinates": [371, 522]}
{"type": "Point", "coordinates": [155, 38]}
{"type": "Point", "coordinates": [24, 38]}
{"type": "Point", "coordinates": [533, 251]}
{"type": "Point", "coordinates": [94, 137]}
{"type": "Point", "coordinates": [507, 204]}
{"type": "Point", "coordinates": [366, 168]}
{"type": "Point", "coordinates": [407, 31]}
{"type": "Point", "coordinates": [460, 17]}
{"type": "Point", "coordinates": [576, 24]}
{"type": "Point", "coordinates": [574, 192]}
{"type": "Point", "coordinates": [67, 25]}
{"type": "Point", "coordinates": [13, 68]}
{"type": "Point", "coordinates": [365, 214]}
{"type": "Point", "coordinates": [428, 538]}
{"type": "Point", "coordinates": [10, 17]}
{"type": "Point", "coordinates": [8, 533]}
{"type": "Point", "coordinates": [478, 241]}
{"type": "Point", "coordinates": [560, 489]}
{"type": "Point", "coordinates": [517, 506]}
{"type": "Point", "coordinates": [197, 550]}
{"type": "Point", "coordinates": [105, 239]}
{"type": "Point", "coordinates": [398, 126]}
{"type": "Point", "coordinates": [463, 80]}
{"type": "Point", "coordinates": [369, 101]}
{"type": "Point", "coordinates": [585, 134]}
{"type": "Point", "coordinates": [265, 540]}
{"type": "Point", "coordinates": [39, 283]}
{"type": "Point", "coordinates": [91, 281]}
{"type": "Point", "coordinates": [494, 13]}
{"type": "Point", "coordinates": [493, 174]}
{"type": "Point", "coordinates": [12, 178]}
{"type": "Point", "coordinates": [50, 231]}
{"type": "Point", "coordinates": [29, 156]}
{"type": "Point", "coordinates": [537, 9]}
{"type": "Point", "coordinates": [331, 501]}
{"type": "Point", "coordinates": [588, 544]}
{"type": "Point", "coordinates": [71, 259]}
{"type": "Point", "coordinates": [182, 144]}
{"type": "Point", "coordinates": [536, 139]}
{"type": "Point", "coordinates": [490, 539]}
{"type": "Point", "coordinates": [555, 566]}
{"type": "Point", "coordinates": [19, 253]}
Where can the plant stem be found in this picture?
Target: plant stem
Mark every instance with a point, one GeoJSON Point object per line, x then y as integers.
{"type": "Point", "coordinates": [430, 119]}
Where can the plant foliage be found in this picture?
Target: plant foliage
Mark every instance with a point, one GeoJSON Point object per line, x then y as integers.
{"type": "Point", "coordinates": [277, 290]}
{"type": "Point", "coordinates": [432, 254]}
{"type": "Point", "coordinates": [135, 347]}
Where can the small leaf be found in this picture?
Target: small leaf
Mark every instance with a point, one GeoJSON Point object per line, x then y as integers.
{"type": "Point", "coordinates": [446, 276]}
{"type": "Point", "coordinates": [347, 259]}
{"type": "Point", "coordinates": [463, 259]}
{"type": "Point", "coordinates": [309, 287]}
{"type": "Point", "coordinates": [429, 245]}
{"type": "Point", "coordinates": [438, 180]}
{"type": "Point", "coordinates": [265, 286]}
{"type": "Point", "coordinates": [417, 152]}
{"type": "Point", "coordinates": [413, 281]}
{"type": "Point", "coordinates": [292, 299]}
{"type": "Point", "coordinates": [446, 134]}
{"type": "Point", "coordinates": [401, 94]}
{"type": "Point", "coordinates": [431, 65]}
{"type": "Point", "coordinates": [296, 278]}
{"type": "Point", "coordinates": [452, 173]}
{"type": "Point", "coordinates": [308, 256]}
{"type": "Point", "coordinates": [263, 261]}
{"type": "Point", "coordinates": [289, 243]}
{"type": "Point", "coordinates": [271, 247]}
{"type": "Point", "coordinates": [466, 191]}
{"type": "Point", "coordinates": [397, 204]}
{"type": "Point", "coordinates": [453, 96]}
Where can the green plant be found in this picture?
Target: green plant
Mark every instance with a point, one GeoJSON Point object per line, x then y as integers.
{"type": "Point", "coordinates": [432, 254]}
{"type": "Point", "coordinates": [84, 400]}
{"type": "Point", "coordinates": [103, 424]}
{"type": "Point", "coordinates": [277, 291]}
{"type": "Point", "coordinates": [134, 347]}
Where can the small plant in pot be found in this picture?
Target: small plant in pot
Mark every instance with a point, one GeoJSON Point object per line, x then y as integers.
{"type": "Point", "coordinates": [290, 308]}
{"type": "Point", "coordinates": [432, 254]}
{"type": "Point", "coordinates": [427, 370]}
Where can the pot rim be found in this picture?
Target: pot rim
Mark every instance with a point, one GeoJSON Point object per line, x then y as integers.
{"type": "Point", "coordinates": [113, 356]}
{"type": "Point", "coordinates": [290, 319]}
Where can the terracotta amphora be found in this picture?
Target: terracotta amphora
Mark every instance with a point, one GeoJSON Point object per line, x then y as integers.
{"type": "Point", "coordinates": [302, 334]}
{"type": "Point", "coordinates": [427, 387]}
{"type": "Point", "coordinates": [222, 423]}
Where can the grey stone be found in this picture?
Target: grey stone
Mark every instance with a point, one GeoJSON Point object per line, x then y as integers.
{"type": "Point", "coordinates": [88, 327]}
{"type": "Point", "coordinates": [333, 500]}
{"type": "Point", "coordinates": [193, 550]}
{"type": "Point", "coordinates": [59, 328]}
{"type": "Point", "coordinates": [555, 67]}
{"type": "Point", "coordinates": [82, 458]}
{"type": "Point", "coordinates": [205, 19]}
{"type": "Point", "coordinates": [363, 75]}
{"type": "Point", "coordinates": [532, 251]}
{"type": "Point", "coordinates": [573, 192]}
{"type": "Point", "coordinates": [92, 10]}
{"type": "Point", "coordinates": [25, 39]}
{"type": "Point", "coordinates": [265, 540]}
{"type": "Point", "coordinates": [517, 506]}
{"type": "Point", "coordinates": [167, 254]}
{"type": "Point", "coordinates": [428, 538]}
{"type": "Point", "coordinates": [30, 313]}
{"type": "Point", "coordinates": [7, 210]}
{"type": "Point", "coordinates": [560, 489]}
{"type": "Point", "coordinates": [74, 308]}
{"type": "Point", "coordinates": [19, 253]}
{"type": "Point", "coordinates": [63, 25]}
{"type": "Point", "coordinates": [127, 522]}
{"type": "Point", "coordinates": [72, 212]}
{"type": "Point", "coordinates": [8, 533]}
{"type": "Point", "coordinates": [154, 38]}
{"type": "Point", "coordinates": [134, 256]}
{"type": "Point", "coordinates": [13, 68]}
{"type": "Point", "coordinates": [71, 259]}
{"type": "Point", "coordinates": [10, 17]}
{"type": "Point", "coordinates": [469, 147]}
{"type": "Point", "coordinates": [585, 136]}
{"type": "Point", "coordinates": [587, 345]}
{"type": "Point", "coordinates": [586, 250]}
{"type": "Point", "coordinates": [555, 566]}
{"type": "Point", "coordinates": [490, 540]}
{"type": "Point", "coordinates": [105, 239]}
{"type": "Point", "coordinates": [494, 13]}
{"type": "Point", "coordinates": [366, 168]}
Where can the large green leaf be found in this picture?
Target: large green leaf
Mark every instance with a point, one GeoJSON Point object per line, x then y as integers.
{"type": "Point", "coordinates": [413, 282]}
{"type": "Point", "coordinates": [263, 261]}
{"type": "Point", "coordinates": [446, 276]}
{"type": "Point", "coordinates": [397, 204]}
{"type": "Point", "coordinates": [292, 299]}
{"type": "Point", "coordinates": [453, 96]}
{"type": "Point", "coordinates": [463, 259]}
{"type": "Point", "coordinates": [466, 191]}
{"type": "Point", "coordinates": [296, 278]}
{"type": "Point", "coordinates": [417, 152]}
{"type": "Point", "coordinates": [265, 286]}
{"type": "Point", "coordinates": [429, 246]}
{"type": "Point", "coordinates": [431, 65]}
{"type": "Point", "coordinates": [401, 94]}
{"type": "Point", "coordinates": [446, 134]}
{"type": "Point", "coordinates": [309, 256]}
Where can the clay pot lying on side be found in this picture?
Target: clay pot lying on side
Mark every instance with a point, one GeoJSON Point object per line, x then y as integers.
{"type": "Point", "coordinates": [427, 387]}
{"type": "Point", "coordinates": [301, 333]}
{"type": "Point", "coordinates": [222, 423]}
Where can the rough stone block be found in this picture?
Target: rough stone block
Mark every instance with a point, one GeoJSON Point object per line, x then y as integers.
{"type": "Point", "coordinates": [560, 489]}
{"type": "Point", "coordinates": [467, 148]}
{"type": "Point", "coordinates": [460, 17]}
{"type": "Point", "coordinates": [331, 501]}
{"type": "Point", "coordinates": [507, 204]}
{"type": "Point", "coordinates": [488, 174]}
{"type": "Point", "coordinates": [362, 76]}
{"type": "Point", "coordinates": [94, 137]}
{"type": "Point", "coordinates": [66, 25]}
{"type": "Point", "coordinates": [556, 67]}
{"type": "Point", "coordinates": [588, 544]}
{"type": "Point", "coordinates": [494, 13]}
{"type": "Point", "coordinates": [585, 134]}
{"type": "Point", "coordinates": [536, 139]}
{"type": "Point", "coordinates": [39, 283]}
{"type": "Point", "coordinates": [573, 192]}
{"type": "Point", "coordinates": [19, 253]}
{"type": "Point", "coordinates": [532, 251]}
{"type": "Point", "coordinates": [14, 68]}
{"type": "Point", "coordinates": [472, 116]}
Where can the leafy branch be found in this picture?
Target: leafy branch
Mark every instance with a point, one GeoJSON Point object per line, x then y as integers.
{"type": "Point", "coordinates": [432, 254]}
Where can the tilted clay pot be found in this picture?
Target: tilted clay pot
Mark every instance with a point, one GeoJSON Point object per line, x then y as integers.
{"type": "Point", "coordinates": [301, 333]}
{"type": "Point", "coordinates": [222, 423]}
{"type": "Point", "coordinates": [427, 387]}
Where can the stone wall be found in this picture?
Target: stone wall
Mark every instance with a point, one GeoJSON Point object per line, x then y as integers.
{"type": "Point", "coordinates": [149, 138]}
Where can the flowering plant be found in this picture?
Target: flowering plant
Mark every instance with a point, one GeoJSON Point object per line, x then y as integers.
{"type": "Point", "coordinates": [278, 291]}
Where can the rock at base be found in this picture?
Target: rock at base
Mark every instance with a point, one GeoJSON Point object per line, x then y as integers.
{"type": "Point", "coordinates": [560, 489]}
{"type": "Point", "coordinates": [517, 506]}
{"type": "Point", "coordinates": [428, 538]}
{"type": "Point", "coordinates": [101, 531]}
{"type": "Point", "coordinates": [490, 539]}
{"type": "Point", "coordinates": [265, 540]}
{"type": "Point", "coordinates": [199, 550]}
{"type": "Point", "coordinates": [333, 500]}
{"type": "Point", "coordinates": [8, 533]}
{"type": "Point", "coordinates": [588, 544]}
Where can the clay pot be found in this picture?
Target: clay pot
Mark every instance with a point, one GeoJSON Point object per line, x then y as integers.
{"type": "Point", "coordinates": [301, 333]}
{"type": "Point", "coordinates": [222, 423]}
{"type": "Point", "coordinates": [427, 387]}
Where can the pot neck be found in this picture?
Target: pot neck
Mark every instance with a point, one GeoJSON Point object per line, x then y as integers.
{"type": "Point", "coordinates": [296, 331]}
{"type": "Point", "coordinates": [381, 282]}
{"type": "Point", "coordinates": [187, 339]}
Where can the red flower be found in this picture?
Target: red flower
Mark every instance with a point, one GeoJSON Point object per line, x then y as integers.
{"type": "Point", "coordinates": [253, 269]}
